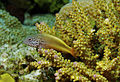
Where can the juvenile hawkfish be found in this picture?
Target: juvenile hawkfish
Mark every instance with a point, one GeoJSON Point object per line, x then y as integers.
{"type": "Point", "coordinates": [48, 41]}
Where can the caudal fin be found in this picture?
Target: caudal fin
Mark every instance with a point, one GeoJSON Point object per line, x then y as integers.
{"type": "Point", "coordinates": [73, 52]}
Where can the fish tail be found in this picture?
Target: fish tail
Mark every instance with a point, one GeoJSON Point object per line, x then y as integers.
{"type": "Point", "coordinates": [73, 52]}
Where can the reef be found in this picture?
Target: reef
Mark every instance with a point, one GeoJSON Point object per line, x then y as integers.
{"type": "Point", "coordinates": [92, 29]}
{"type": "Point", "coordinates": [11, 29]}
{"type": "Point", "coordinates": [47, 18]}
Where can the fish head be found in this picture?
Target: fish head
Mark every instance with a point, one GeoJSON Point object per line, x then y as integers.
{"type": "Point", "coordinates": [31, 41]}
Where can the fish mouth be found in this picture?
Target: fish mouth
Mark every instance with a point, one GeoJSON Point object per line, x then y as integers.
{"type": "Point", "coordinates": [24, 42]}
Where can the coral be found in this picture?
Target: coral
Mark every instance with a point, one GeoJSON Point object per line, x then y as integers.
{"type": "Point", "coordinates": [6, 78]}
{"type": "Point", "coordinates": [30, 77]}
{"type": "Point", "coordinates": [13, 56]}
{"type": "Point", "coordinates": [44, 28]}
{"type": "Point", "coordinates": [15, 35]}
{"type": "Point", "coordinates": [92, 30]}
{"type": "Point", "coordinates": [36, 76]}
{"type": "Point", "coordinates": [18, 60]}
{"type": "Point", "coordinates": [11, 29]}
{"type": "Point", "coordinates": [41, 64]}
{"type": "Point", "coordinates": [75, 71]}
{"type": "Point", "coordinates": [94, 34]}
{"type": "Point", "coordinates": [9, 21]}
{"type": "Point", "coordinates": [47, 18]}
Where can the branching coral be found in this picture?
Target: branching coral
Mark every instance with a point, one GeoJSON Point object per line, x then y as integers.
{"type": "Point", "coordinates": [95, 38]}
{"type": "Point", "coordinates": [93, 31]}
{"type": "Point", "coordinates": [76, 71]}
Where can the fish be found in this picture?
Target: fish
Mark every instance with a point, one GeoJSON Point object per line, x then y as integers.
{"type": "Point", "coordinates": [48, 41]}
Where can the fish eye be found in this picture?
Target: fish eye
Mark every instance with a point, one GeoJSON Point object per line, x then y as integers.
{"type": "Point", "coordinates": [29, 39]}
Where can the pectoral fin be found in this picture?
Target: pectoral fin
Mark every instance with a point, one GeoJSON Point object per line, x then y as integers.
{"type": "Point", "coordinates": [73, 52]}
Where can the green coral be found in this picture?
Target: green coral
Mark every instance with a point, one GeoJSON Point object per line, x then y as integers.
{"type": "Point", "coordinates": [9, 21]}
{"type": "Point", "coordinates": [11, 29]}
{"type": "Point", "coordinates": [13, 54]}
{"type": "Point", "coordinates": [47, 18]}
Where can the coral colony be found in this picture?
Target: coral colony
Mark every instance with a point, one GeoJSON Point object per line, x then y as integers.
{"type": "Point", "coordinates": [93, 31]}
{"type": "Point", "coordinates": [91, 28]}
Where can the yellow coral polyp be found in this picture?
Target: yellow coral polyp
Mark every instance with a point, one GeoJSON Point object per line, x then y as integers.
{"type": "Point", "coordinates": [97, 45]}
